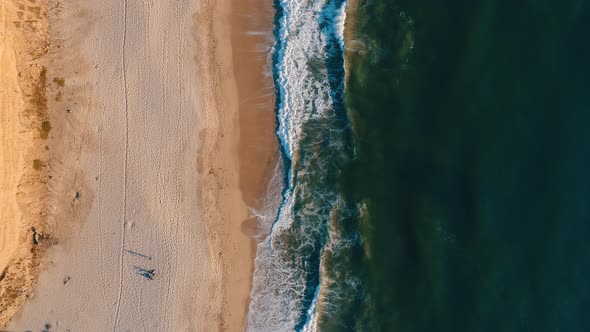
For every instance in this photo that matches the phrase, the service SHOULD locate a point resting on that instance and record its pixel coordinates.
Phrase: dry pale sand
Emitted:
(142, 170)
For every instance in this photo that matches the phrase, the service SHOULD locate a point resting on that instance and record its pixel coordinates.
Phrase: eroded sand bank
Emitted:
(26, 141)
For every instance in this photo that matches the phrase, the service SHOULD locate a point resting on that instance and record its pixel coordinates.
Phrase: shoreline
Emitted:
(312, 221)
(350, 44)
(252, 39)
(234, 162)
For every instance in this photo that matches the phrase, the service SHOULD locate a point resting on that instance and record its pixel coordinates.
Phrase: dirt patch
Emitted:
(37, 164)
(60, 81)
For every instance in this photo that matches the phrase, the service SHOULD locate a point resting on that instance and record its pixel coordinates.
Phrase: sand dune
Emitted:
(12, 146)
(25, 129)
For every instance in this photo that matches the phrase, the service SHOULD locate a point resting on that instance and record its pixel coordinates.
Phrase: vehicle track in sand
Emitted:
(125, 166)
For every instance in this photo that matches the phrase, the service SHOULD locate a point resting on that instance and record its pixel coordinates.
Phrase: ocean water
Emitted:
(444, 187)
(473, 151)
(305, 268)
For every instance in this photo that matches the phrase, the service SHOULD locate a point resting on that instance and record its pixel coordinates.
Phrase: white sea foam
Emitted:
(302, 93)
(305, 95)
(271, 204)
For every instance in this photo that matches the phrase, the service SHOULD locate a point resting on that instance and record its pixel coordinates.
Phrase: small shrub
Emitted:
(60, 81)
(45, 129)
(37, 164)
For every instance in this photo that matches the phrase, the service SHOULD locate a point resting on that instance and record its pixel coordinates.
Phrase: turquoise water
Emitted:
(444, 187)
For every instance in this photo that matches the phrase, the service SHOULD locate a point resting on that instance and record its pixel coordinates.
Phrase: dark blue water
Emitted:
(472, 156)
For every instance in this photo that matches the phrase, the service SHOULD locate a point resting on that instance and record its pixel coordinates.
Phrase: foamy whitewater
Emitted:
(300, 276)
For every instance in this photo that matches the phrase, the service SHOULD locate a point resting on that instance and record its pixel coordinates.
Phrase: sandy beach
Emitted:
(252, 40)
(140, 167)
(257, 150)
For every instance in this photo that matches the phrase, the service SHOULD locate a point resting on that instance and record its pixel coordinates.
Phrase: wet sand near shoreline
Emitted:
(252, 39)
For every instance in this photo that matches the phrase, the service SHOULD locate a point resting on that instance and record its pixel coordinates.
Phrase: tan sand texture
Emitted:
(252, 40)
(253, 141)
(25, 140)
(238, 141)
(13, 145)
(144, 172)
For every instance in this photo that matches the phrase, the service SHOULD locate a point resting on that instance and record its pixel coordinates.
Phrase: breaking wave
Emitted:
(301, 272)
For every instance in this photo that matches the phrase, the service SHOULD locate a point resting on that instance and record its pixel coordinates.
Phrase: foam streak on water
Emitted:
(293, 288)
